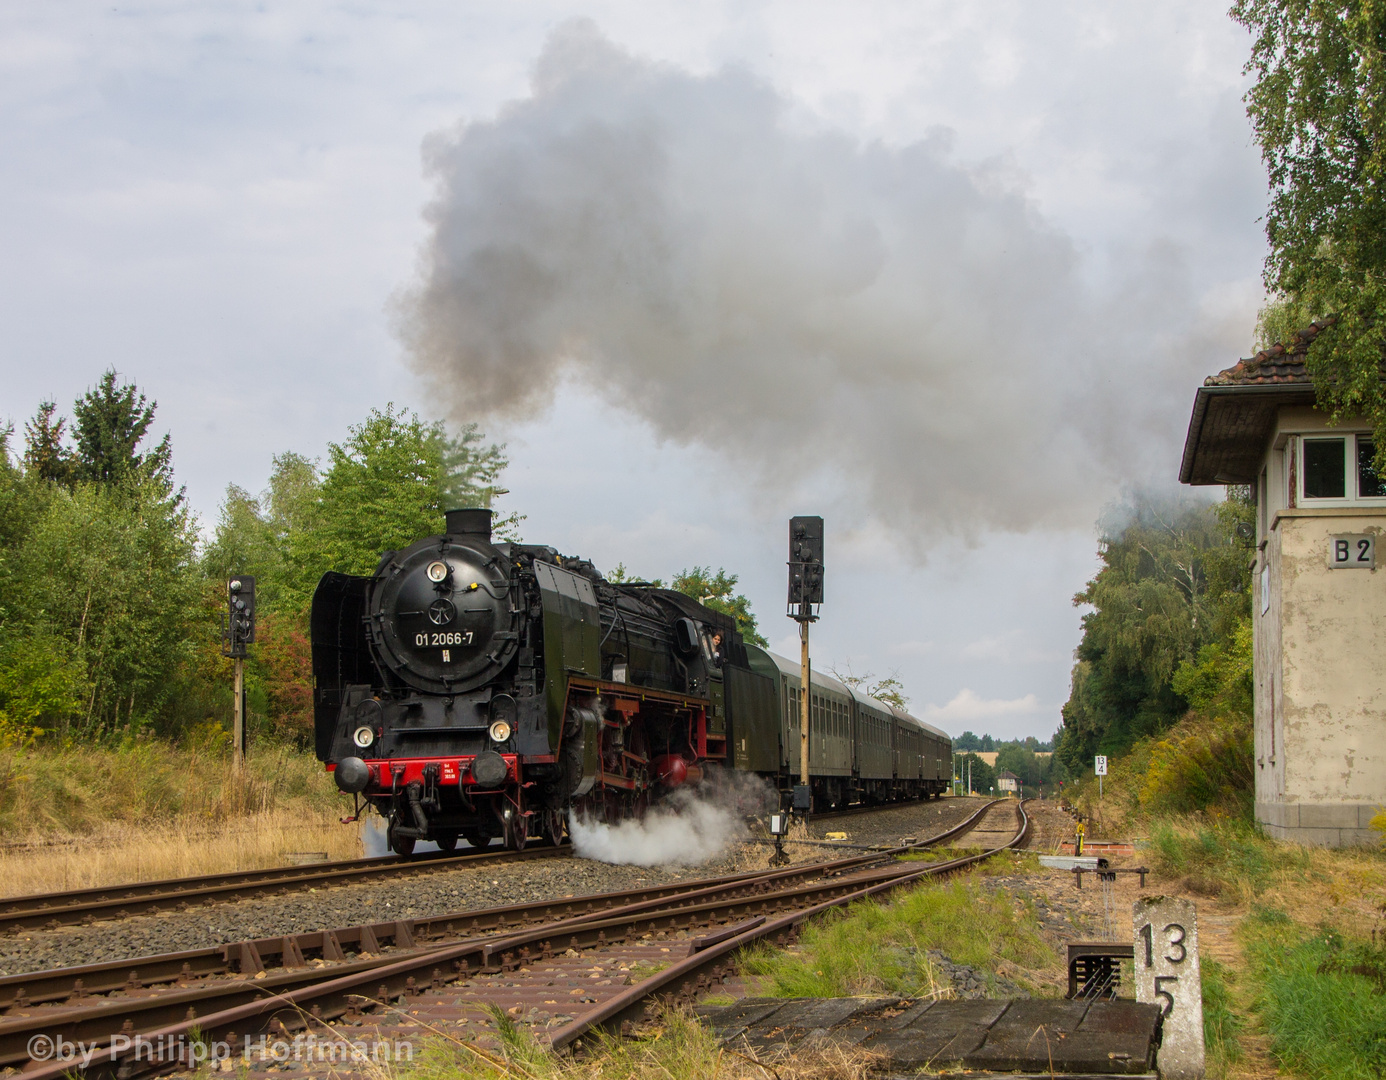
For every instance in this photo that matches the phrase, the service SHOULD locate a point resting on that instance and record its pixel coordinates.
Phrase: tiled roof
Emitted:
(1283, 364)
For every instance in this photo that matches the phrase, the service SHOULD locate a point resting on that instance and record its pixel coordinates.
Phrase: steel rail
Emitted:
(687, 972)
(332, 991)
(82, 906)
(249, 957)
(55, 910)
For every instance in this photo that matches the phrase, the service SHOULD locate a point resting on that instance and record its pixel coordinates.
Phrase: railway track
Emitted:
(856, 811)
(82, 906)
(78, 907)
(456, 961)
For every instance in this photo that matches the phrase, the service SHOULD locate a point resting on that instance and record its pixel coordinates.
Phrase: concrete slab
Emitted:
(1049, 1037)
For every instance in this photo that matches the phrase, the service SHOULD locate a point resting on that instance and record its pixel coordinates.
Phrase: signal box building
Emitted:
(1318, 593)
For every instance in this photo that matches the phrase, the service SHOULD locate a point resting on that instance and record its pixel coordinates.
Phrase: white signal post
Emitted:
(1100, 766)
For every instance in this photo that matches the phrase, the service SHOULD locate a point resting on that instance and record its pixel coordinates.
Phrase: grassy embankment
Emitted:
(86, 816)
(1293, 942)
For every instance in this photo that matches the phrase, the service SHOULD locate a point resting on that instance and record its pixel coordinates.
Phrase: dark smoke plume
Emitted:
(703, 256)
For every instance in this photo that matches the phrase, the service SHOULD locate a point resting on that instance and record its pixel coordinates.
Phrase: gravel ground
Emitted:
(920, 820)
(431, 894)
(1063, 912)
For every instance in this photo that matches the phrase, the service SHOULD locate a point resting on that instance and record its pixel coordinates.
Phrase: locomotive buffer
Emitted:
(805, 598)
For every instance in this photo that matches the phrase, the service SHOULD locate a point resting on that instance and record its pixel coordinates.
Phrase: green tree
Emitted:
(386, 486)
(98, 586)
(1173, 580)
(109, 573)
(983, 775)
(46, 455)
(967, 741)
(890, 690)
(109, 424)
(1318, 108)
(718, 591)
(1021, 760)
(471, 471)
(253, 533)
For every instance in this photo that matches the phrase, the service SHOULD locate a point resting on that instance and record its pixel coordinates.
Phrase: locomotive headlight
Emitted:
(363, 736)
(500, 731)
(437, 571)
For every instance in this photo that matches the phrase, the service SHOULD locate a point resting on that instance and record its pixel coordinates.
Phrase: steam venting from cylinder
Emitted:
(470, 522)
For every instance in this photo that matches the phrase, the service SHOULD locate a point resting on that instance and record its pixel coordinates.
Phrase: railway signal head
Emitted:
(240, 622)
(805, 563)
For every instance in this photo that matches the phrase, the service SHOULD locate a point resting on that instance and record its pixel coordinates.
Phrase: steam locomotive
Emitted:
(481, 689)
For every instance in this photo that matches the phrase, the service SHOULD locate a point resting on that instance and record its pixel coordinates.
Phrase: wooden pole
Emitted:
(238, 731)
(804, 696)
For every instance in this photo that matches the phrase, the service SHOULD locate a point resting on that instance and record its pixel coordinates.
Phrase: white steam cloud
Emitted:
(705, 257)
(682, 835)
(688, 828)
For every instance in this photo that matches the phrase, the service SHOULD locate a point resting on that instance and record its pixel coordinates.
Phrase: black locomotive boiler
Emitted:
(481, 689)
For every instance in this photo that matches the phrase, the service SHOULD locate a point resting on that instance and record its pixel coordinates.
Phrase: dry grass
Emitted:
(122, 853)
(82, 816)
(676, 1047)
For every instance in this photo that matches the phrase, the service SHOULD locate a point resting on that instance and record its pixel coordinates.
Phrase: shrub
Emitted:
(1202, 764)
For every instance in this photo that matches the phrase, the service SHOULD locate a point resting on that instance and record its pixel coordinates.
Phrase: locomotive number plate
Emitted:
(451, 637)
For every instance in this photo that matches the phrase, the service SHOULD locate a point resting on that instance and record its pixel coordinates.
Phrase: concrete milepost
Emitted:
(1099, 766)
(1167, 974)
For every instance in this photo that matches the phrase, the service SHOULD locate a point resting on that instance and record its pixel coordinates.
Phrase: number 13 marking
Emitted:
(1177, 935)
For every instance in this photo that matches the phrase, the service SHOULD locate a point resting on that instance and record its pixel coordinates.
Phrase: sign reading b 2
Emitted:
(1352, 550)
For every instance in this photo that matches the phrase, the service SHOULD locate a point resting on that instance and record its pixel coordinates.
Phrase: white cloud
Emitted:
(912, 648)
(994, 647)
(967, 707)
(1012, 647)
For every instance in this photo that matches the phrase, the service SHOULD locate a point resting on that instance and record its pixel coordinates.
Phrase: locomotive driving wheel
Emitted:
(400, 845)
(552, 819)
(516, 828)
(478, 838)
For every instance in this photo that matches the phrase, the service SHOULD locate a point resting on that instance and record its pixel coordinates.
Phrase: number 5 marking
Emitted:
(1161, 992)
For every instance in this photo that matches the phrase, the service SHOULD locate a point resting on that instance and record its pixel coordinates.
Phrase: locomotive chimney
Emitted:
(470, 522)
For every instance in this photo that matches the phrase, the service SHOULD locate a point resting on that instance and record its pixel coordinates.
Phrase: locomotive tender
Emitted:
(482, 689)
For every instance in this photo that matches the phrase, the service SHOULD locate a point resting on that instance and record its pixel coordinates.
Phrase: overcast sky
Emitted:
(946, 274)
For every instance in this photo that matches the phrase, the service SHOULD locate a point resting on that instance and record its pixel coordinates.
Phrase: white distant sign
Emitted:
(1101, 764)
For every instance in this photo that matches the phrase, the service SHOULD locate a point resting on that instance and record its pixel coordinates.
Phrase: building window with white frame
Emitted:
(1340, 469)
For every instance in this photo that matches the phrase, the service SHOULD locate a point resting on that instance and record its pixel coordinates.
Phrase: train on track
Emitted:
(482, 689)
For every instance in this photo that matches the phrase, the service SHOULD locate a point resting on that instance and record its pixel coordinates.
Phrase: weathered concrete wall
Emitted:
(1269, 678)
(1321, 682)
